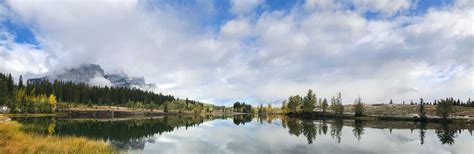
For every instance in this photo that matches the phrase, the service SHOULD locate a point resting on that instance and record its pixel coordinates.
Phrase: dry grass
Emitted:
(13, 140)
(3, 117)
(405, 110)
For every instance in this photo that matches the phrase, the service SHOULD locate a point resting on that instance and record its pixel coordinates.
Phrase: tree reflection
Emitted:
(309, 130)
(323, 127)
(358, 129)
(336, 130)
(284, 121)
(294, 126)
(134, 133)
(121, 131)
(445, 134)
(422, 127)
(242, 119)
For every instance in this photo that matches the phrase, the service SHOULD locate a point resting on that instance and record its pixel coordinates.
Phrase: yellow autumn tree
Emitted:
(52, 101)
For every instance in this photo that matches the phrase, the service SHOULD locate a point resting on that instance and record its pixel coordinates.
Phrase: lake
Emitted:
(264, 134)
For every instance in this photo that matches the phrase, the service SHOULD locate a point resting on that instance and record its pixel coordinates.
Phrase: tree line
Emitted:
(242, 107)
(458, 102)
(309, 102)
(42, 96)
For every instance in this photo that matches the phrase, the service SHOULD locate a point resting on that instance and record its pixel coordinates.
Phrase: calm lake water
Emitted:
(269, 134)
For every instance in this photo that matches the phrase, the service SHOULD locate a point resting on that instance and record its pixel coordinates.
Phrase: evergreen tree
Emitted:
(324, 105)
(10, 86)
(320, 102)
(295, 103)
(3, 92)
(165, 108)
(391, 102)
(237, 107)
(359, 107)
(309, 101)
(444, 107)
(338, 107)
(421, 109)
(20, 82)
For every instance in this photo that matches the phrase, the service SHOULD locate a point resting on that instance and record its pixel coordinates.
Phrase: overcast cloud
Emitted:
(378, 50)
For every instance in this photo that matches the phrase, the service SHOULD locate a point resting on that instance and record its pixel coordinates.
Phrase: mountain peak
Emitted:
(93, 74)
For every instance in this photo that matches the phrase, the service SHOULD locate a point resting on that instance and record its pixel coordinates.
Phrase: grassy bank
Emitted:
(2, 117)
(13, 140)
(32, 115)
(401, 110)
(393, 112)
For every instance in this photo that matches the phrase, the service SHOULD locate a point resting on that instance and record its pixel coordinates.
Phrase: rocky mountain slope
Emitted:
(94, 74)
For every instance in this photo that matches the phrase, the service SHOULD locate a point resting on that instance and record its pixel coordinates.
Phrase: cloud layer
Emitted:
(378, 50)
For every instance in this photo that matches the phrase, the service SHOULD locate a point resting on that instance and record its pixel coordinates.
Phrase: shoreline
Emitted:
(115, 114)
(327, 115)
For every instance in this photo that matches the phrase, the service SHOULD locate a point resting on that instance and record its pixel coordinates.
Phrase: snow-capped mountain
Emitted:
(94, 74)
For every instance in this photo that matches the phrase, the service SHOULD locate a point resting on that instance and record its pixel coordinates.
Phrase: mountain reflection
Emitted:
(130, 134)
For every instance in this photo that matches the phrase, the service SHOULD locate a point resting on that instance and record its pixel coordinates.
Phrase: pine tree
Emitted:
(359, 107)
(421, 109)
(324, 105)
(20, 82)
(338, 107)
(309, 101)
(3, 92)
(391, 102)
(444, 107)
(10, 86)
(165, 108)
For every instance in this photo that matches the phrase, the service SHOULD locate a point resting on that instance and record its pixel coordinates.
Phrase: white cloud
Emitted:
(259, 57)
(238, 29)
(20, 59)
(99, 80)
(244, 6)
(386, 7)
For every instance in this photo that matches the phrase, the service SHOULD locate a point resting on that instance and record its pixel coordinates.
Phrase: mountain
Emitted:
(93, 74)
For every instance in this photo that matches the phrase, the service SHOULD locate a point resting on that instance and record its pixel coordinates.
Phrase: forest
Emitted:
(45, 97)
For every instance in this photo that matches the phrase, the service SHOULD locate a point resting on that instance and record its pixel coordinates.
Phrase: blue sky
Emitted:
(24, 34)
(257, 51)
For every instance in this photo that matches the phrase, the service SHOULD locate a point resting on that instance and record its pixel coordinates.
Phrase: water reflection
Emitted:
(358, 129)
(445, 134)
(241, 119)
(126, 134)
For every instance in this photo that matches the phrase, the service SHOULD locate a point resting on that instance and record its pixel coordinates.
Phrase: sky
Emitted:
(256, 51)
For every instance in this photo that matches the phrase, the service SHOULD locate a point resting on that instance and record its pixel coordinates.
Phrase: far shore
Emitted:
(393, 112)
(387, 112)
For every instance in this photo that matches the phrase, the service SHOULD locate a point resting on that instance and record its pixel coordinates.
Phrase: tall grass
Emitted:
(13, 140)
(2, 117)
